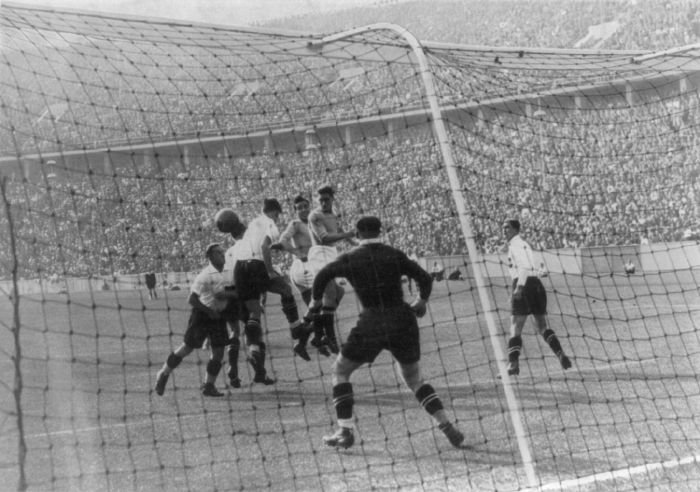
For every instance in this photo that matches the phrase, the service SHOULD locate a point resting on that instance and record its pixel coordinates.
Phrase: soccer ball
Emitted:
(226, 220)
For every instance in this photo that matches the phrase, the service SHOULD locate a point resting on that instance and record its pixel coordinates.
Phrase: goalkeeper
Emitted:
(386, 322)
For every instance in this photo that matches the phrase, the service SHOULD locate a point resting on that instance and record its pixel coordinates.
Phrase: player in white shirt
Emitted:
(254, 275)
(208, 298)
(528, 298)
(235, 311)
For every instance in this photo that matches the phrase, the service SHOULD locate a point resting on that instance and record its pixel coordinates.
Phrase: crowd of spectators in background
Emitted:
(159, 219)
(612, 176)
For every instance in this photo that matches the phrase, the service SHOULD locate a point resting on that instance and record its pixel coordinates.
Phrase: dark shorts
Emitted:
(200, 326)
(234, 311)
(533, 301)
(251, 279)
(394, 329)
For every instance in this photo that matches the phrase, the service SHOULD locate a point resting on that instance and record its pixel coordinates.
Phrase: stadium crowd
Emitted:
(618, 176)
(121, 95)
(566, 197)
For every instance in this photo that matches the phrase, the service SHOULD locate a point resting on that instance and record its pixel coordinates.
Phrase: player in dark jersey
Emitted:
(386, 322)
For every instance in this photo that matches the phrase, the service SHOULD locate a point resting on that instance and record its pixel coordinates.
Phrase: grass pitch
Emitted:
(625, 417)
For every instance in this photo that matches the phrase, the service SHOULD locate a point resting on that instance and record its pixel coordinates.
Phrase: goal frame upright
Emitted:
(440, 133)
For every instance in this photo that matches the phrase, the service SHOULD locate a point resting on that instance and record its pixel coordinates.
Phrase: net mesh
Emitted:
(121, 137)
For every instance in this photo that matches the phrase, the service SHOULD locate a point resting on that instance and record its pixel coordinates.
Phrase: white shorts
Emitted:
(320, 256)
(300, 274)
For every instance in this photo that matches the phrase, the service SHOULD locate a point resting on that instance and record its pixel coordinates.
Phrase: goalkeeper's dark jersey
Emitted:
(374, 270)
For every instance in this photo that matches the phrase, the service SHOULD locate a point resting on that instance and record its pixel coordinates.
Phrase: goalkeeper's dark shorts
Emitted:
(533, 300)
(200, 326)
(394, 329)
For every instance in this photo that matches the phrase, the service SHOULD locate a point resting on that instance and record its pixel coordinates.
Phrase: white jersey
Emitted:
(259, 228)
(232, 256)
(206, 284)
(520, 261)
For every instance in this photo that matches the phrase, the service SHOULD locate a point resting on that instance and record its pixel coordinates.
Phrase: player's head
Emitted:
(511, 227)
(238, 230)
(368, 227)
(302, 207)
(326, 195)
(215, 255)
(272, 208)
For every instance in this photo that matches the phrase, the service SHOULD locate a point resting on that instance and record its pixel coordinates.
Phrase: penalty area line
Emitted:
(627, 473)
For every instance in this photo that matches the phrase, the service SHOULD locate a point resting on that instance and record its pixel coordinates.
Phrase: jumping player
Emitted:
(254, 275)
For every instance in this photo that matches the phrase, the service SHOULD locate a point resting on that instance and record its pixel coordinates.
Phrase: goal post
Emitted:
(122, 136)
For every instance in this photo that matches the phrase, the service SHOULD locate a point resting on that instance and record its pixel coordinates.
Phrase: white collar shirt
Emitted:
(259, 228)
(207, 284)
(232, 255)
(520, 261)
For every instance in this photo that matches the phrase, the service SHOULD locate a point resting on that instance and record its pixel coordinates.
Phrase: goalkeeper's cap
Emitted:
(300, 199)
(271, 205)
(369, 225)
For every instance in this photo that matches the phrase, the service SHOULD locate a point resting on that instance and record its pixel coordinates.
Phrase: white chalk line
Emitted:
(626, 473)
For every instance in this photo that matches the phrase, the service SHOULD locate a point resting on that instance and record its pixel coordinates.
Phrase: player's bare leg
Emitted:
(431, 403)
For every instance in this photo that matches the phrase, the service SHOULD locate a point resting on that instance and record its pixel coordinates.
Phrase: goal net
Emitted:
(121, 138)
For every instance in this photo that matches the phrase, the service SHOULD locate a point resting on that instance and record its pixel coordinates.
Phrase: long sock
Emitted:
(317, 325)
(343, 401)
(256, 357)
(171, 363)
(253, 331)
(428, 399)
(515, 345)
(233, 350)
(327, 321)
(552, 341)
(213, 369)
(289, 308)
